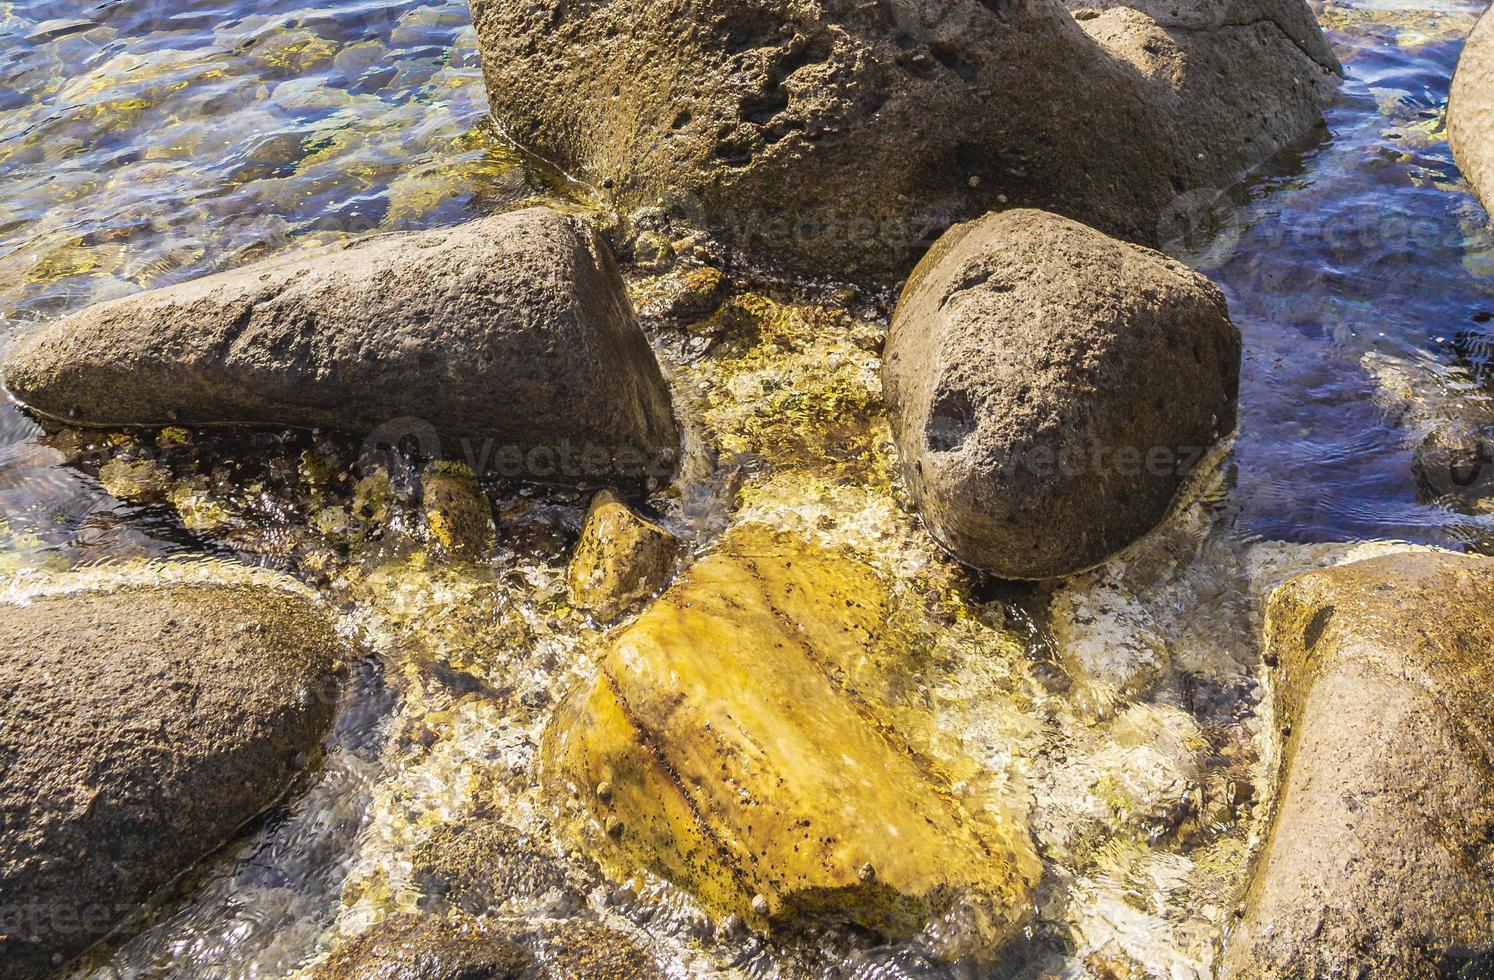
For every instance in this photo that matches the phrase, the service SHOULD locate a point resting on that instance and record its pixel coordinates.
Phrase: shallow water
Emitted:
(144, 143)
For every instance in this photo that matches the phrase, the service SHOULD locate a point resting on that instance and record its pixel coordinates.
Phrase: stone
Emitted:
(583, 951)
(620, 561)
(457, 511)
(510, 338)
(142, 724)
(481, 864)
(842, 136)
(1052, 389)
(410, 947)
(1377, 859)
(739, 767)
(1470, 111)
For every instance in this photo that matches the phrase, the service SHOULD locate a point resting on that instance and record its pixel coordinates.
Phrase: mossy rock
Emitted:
(719, 750)
(620, 561)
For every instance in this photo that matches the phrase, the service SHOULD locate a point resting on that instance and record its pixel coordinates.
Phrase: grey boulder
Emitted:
(842, 136)
(1377, 861)
(140, 728)
(1470, 111)
(509, 340)
(1051, 389)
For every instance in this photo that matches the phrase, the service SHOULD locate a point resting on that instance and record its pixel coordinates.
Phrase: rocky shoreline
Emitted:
(766, 682)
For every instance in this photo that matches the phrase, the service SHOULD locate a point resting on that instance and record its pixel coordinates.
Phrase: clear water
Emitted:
(144, 143)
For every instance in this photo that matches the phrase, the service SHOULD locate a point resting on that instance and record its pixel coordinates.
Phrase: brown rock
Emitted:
(140, 729)
(1051, 389)
(1378, 860)
(510, 337)
(1470, 111)
(426, 948)
(842, 136)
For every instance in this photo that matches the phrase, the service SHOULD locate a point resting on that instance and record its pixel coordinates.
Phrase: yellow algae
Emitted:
(726, 748)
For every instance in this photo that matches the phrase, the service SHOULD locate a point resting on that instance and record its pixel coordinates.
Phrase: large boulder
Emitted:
(1378, 861)
(510, 339)
(841, 135)
(1051, 390)
(141, 726)
(721, 749)
(1470, 111)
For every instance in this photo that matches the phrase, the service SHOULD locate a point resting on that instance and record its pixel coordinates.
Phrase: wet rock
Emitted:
(1470, 111)
(841, 135)
(681, 295)
(719, 749)
(141, 726)
(511, 337)
(481, 864)
(620, 561)
(426, 948)
(457, 511)
(1377, 861)
(1052, 389)
(582, 951)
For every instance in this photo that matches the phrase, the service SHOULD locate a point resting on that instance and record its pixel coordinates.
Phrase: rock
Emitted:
(426, 948)
(718, 750)
(1052, 389)
(141, 726)
(1377, 861)
(620, 561)
(510, 338)
(481, 865)
(1470, 111)
(582, 951)
(457, 511)
(842, 136)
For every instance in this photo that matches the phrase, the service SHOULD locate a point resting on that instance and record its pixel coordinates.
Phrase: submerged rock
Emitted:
(510, 338)
(620, 561)
(457, 511)
(1052, 389)
(841, 135)
(1377, 861)
(719, 749)
(426, 948)
(582, 951)
(481, 865)
(1470, 111)
(141, 727)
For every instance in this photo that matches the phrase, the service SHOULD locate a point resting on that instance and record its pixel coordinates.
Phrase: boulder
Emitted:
(425, 947)
(1377, 860)
(1051, 389)
(1470, 111)
(841, 136)
(720, 748)
(510, 339)
(620, 561)
(141, 726)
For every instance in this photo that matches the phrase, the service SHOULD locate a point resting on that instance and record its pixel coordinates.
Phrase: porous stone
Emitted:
(621, 559)
(718, 750)
(1470, 111)
(1377, 861)
(141, 726)
(510, 339)
(842, 136)
(1052, 389)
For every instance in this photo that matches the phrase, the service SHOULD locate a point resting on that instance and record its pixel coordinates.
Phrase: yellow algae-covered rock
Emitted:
(620, 560)
(719, 750)
(457, 511)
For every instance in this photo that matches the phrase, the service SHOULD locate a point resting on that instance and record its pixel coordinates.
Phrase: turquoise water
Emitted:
(145, 143)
